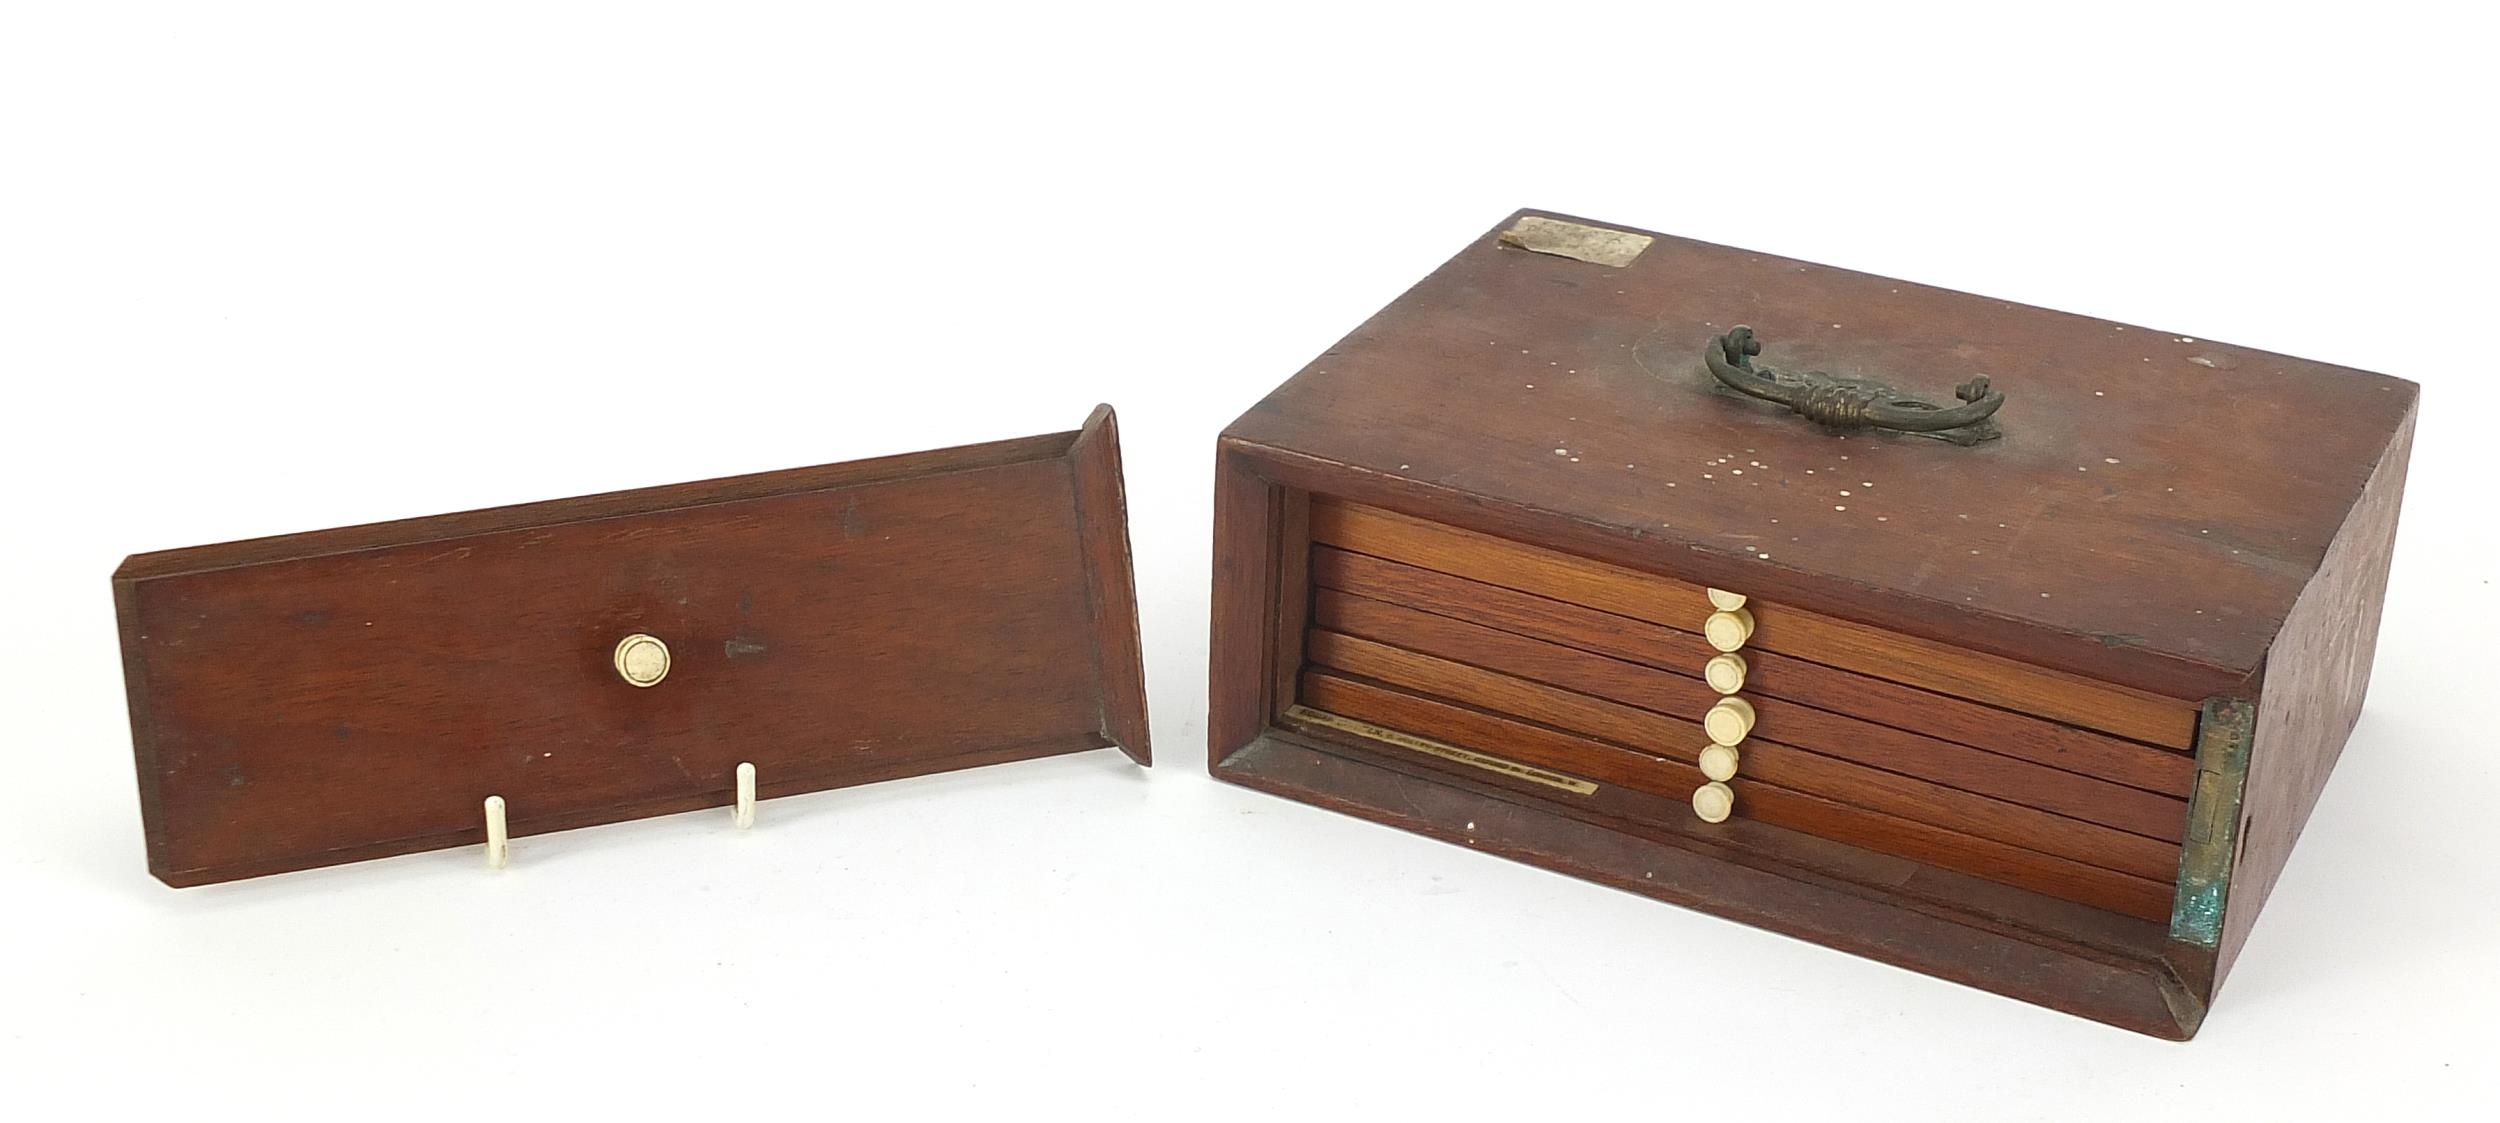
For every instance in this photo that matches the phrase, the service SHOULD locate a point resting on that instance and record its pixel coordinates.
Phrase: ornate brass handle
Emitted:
(1851, 403)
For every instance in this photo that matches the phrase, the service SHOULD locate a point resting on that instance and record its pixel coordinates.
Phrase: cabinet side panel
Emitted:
(2315, 677)
(142, 718)
(1248, 510)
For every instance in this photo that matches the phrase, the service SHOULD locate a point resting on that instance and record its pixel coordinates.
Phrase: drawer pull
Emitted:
(1719, 762)
(641, 660)
(1713, 801)
(1729, 721)
(1852, 403)
(1725, 601)
(1728, 630)
(1725, 672)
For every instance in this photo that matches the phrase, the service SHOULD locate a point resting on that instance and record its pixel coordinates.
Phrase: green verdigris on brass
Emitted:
(2223, 734)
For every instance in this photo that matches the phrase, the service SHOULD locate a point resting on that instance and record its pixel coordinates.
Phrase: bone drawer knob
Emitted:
(641, 660)
(1725, 672)
(1713, 801)
(1728, 721)
(1718, 762)
(1728, 630)
(1725, 601)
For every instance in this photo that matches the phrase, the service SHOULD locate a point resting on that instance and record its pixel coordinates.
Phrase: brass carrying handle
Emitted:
(1851, 403)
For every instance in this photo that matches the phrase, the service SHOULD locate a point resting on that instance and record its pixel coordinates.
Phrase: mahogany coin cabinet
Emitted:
(354, 693)
(2002, 644)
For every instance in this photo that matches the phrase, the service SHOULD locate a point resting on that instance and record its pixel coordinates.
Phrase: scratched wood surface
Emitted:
(348, 694)
(2170, 495)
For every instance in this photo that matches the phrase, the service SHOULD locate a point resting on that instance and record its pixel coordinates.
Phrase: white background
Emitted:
(271, 269)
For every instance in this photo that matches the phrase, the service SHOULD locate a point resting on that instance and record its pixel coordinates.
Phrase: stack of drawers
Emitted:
(1639, 696)
(2040, 707)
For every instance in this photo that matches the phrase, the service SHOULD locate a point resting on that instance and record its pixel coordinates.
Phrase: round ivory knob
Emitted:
(1725, 672)
(1713, 801)
(641, 660)
(1728, 721)
(1725, 601)
(1718, 762)
(1728, 630)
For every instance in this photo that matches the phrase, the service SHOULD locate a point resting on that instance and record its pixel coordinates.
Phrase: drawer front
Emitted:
(2018, 774)
(829, 630)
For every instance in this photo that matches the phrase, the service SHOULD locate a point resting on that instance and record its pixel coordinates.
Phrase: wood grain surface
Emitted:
(1771, 674)
(2315, 683)
(1554, 401)
(1664, 600)
(1684, 697)
(1814, 813)
(1764, 758)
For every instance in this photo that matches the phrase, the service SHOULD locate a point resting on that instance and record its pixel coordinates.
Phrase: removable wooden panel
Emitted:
(348, 694)
(2042, 714)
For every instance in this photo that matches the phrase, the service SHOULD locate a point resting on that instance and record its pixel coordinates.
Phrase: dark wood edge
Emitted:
(2141, 995)
(136, 686)
(1241, 658)
(2021, 641)
(522, 823)
(590, 508)
(1110, 581)
(1295, 596)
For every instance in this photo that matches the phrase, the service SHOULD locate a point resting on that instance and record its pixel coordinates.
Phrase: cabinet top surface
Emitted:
(2151, 490)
